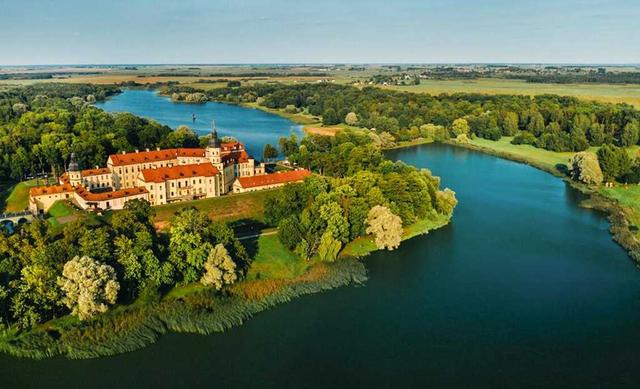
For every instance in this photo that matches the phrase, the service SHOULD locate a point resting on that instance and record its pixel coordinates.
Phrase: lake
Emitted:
(253, 127)
(523, 289)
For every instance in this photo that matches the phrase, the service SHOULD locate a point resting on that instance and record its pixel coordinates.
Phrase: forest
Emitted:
(41, 125)
(556, 123)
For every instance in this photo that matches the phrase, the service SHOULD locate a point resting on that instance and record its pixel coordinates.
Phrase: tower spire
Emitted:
(73, 165)
(214, 141)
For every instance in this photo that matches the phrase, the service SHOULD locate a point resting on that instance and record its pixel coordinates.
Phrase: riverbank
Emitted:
(278, 277)
(623, 215)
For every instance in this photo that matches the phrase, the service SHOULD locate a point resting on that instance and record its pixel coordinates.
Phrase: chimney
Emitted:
(147, 149)
(157, 148)
(137, 151)
(123, 152)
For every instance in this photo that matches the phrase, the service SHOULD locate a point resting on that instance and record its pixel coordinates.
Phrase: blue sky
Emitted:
(287, 31)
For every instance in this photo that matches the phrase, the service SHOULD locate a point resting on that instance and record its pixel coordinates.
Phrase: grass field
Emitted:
(629, 199)
(609, 93)
(274, 261)
(548, 160)
(15, 197)
(228, 208)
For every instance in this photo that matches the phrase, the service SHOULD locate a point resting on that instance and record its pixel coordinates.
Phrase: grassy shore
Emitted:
(275, 276)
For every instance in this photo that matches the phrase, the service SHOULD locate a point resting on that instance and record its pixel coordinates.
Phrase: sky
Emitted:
(321, 31)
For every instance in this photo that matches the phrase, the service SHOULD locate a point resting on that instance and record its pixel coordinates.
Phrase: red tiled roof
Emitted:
(236, 156)
(49, 190)
(95, 172)
(116, 194)
(274, 178)
(64, 178)
(180, 171)
(231, 146)
(154, 156)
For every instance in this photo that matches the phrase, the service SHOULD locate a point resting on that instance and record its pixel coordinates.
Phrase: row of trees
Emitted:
(359, 193)
(83, 270)
(547, 121)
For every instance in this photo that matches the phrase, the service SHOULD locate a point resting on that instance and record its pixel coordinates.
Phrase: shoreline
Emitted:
(620, 226)
(191, 308)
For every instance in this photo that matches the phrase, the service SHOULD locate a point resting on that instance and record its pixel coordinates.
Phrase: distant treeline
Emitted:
(242, 74)
(580, 78)
(40, 76)
(557, 123)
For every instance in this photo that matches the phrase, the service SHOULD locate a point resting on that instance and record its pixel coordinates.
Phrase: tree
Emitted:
(219, 268)
(290, 108)
(19, 108)
(460, 126)
(630, 134)
(614, 162)
(446, 201)
(584, 167)
(189, 243)
(510, 123)
(269, 152)
(385, 226)
(330, 117)
(89, 287)
(329, 247)
(351, 119)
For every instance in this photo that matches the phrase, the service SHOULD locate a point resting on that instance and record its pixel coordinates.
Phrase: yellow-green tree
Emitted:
(89, 287)
(385, 227)
(219, 268)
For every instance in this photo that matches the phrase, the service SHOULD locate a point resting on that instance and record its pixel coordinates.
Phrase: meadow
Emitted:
(607, 93)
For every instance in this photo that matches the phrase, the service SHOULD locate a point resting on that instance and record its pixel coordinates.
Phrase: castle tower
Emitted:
(73, 171)
(213, 149)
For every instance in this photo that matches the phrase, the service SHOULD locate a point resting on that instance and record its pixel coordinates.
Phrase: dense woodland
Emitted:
(41, 125)
(329, 210)
(551, 122)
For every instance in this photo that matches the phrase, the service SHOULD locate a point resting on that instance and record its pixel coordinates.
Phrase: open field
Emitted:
(228, 208)
(274, 261)
(548, 160)
(608, 93)
(629, 199)
(218, 75)
(15, 197)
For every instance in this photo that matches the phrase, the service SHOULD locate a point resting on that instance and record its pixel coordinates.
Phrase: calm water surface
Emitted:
(253, 127)
(524, 289)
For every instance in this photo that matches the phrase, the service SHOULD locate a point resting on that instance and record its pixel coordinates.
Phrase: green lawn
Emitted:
(228, 208)
(545, 159)
(15, 197)
(62, 212)
(629, 198)
(274, 261)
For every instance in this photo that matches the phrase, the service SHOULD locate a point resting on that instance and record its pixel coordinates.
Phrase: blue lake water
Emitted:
(524, 289)
(253, 127)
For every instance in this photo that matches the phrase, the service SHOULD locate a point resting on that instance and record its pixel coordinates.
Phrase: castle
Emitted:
(161, 177)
